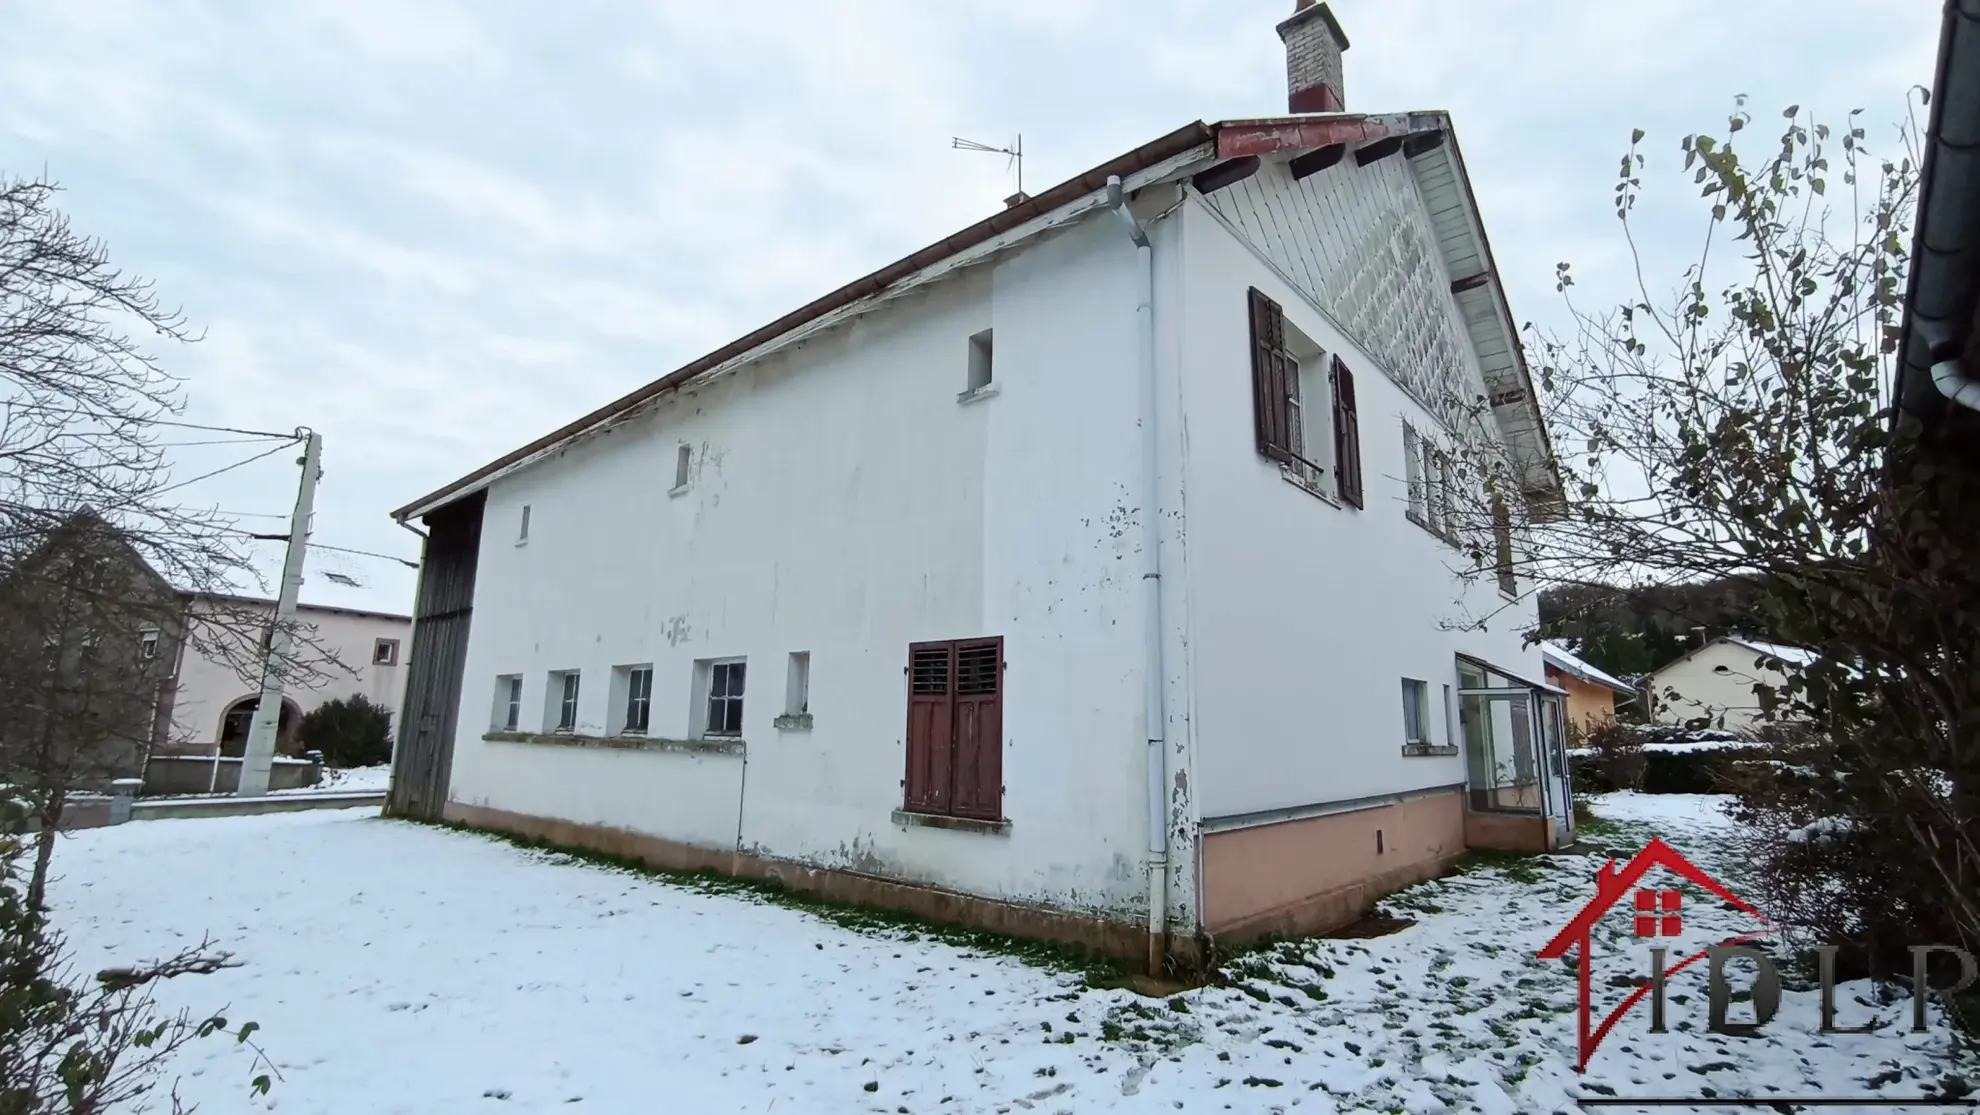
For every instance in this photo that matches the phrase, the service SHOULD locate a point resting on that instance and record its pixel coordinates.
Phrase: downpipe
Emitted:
(1159, 776)
(1952, 380)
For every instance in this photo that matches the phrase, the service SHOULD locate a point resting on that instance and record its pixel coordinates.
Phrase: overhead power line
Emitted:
(42, 408)
(226, 468)
(363, 553)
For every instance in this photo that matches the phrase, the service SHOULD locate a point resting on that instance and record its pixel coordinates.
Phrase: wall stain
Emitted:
(677, 630)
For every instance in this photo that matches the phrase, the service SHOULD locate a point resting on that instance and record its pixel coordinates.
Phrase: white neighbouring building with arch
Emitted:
(1082, 575)
(212, 703)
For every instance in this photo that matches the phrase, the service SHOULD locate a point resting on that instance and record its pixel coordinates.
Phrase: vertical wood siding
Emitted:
(431, 712)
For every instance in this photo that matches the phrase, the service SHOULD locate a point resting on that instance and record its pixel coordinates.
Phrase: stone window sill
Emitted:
(793, 722)
(1412, 749)
(958, 824)
(679, 490)
(977, 394)
(1299, 477)
(623, 743)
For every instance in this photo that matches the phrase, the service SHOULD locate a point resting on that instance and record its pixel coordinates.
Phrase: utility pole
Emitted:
(260, 754)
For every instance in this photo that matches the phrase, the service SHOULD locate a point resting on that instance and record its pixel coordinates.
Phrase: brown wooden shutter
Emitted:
(1502, 546)
(931, 726)
(1271, 375)
(1347, 437)
(979, 730)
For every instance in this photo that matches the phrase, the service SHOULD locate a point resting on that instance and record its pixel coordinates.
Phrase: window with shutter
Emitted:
(955, 738)
(1347, 437)
(1271, 378)
(1503, 547)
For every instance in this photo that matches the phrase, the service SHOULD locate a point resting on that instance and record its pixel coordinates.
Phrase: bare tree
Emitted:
(1737, 426)
(102, 558)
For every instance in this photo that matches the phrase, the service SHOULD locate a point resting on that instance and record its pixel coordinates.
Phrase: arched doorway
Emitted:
(239, 718)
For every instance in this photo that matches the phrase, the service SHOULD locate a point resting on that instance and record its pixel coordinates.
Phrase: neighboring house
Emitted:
(88, 634)
(213, 704)
(1729, 682)
(871, 600)
(1592, 695)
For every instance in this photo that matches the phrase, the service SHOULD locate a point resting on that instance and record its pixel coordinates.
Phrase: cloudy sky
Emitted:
(434, 230)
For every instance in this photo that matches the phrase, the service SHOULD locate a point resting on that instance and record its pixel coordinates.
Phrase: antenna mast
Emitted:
(1014, 161)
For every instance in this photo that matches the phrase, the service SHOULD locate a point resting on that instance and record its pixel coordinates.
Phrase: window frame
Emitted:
(508, 702)
(1416, 706)
(707, 671)
(567, 691)
(638, 700)
(391, 649)
(797, 684)
(148, 641)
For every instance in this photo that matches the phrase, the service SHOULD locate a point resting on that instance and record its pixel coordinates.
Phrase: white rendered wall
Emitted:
(844, 503)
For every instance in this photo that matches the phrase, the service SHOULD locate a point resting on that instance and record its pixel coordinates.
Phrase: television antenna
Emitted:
(1014, 153)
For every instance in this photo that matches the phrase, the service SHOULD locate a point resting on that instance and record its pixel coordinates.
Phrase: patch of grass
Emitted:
(1587, 822)
(1522, 869)
(871, 921)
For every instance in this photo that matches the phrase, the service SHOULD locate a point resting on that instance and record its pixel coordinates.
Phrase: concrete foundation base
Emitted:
(1091, 935)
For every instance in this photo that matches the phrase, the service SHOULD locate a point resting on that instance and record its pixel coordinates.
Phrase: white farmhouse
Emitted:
(1729, 682)
(1065, 578)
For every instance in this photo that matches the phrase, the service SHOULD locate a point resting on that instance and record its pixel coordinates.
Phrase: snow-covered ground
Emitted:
(399, 968)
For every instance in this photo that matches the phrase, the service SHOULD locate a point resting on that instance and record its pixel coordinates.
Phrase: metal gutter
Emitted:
(1945, 263)
(1175, 143)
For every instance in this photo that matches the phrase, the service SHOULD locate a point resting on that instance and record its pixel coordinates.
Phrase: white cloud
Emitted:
(435, 229)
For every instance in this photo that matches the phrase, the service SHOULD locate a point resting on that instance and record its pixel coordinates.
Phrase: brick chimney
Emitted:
(1314, 43)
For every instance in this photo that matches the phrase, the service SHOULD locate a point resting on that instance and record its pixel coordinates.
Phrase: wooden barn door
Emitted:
(430, 713)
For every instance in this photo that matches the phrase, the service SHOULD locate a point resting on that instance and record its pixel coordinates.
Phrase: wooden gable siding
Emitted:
(1360, 243)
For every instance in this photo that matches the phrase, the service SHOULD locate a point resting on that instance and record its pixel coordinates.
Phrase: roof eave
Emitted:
(1178, 143)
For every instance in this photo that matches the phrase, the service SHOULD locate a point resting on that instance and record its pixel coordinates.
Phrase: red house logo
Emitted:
(1658, 913)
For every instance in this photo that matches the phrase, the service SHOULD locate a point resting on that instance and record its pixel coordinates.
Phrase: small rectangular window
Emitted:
(1503, 547)
(522, 532)
(1413, 452)
(639, 700)
(385, 652)
(507, 716)
(563, 700)
(723, 697)
(1416, 711)
(683, 460)
(981, 372)
(1450, 731)
(148, 643)
(797, 684)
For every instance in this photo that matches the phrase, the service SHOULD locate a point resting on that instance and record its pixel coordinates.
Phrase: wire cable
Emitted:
(362, 553)
(218, 471)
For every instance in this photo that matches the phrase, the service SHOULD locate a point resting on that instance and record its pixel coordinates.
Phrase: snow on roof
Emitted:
(1794, 656)
(1560, 658)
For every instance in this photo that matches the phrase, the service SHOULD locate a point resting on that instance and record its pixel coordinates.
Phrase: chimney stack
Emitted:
(1314, 43)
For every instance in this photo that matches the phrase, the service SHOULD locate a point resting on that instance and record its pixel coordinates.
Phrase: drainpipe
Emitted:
(1955, 383)
(1159, 774)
